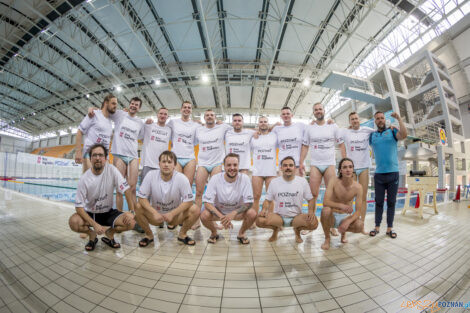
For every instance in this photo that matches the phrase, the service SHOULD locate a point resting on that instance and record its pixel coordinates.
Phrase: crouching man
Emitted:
(229, 196)
(94, 201)
(171, 201)
(337, 209)
(283, 204)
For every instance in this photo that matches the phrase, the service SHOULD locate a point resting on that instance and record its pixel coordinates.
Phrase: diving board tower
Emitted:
(421, 91)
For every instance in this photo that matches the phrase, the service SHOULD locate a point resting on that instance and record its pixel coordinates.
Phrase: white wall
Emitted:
(13, 144)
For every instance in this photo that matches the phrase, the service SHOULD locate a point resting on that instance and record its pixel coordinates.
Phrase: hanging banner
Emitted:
(442, 137)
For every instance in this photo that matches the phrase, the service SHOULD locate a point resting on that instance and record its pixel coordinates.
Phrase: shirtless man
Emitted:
(289, 138)
(210, 138)
(337, 209)
(283, 204)
(171, 201)
(356, 140)
(228, 197)
(237, 140)
(321, 138)
(264, 159)
(94, 201)
(97, 129)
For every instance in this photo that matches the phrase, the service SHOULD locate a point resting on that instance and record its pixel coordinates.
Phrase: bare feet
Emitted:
(274, 235)
(343, 238)
(334, 232)
(305, 232)
(298, 238)
(326, 244)
(218, 226)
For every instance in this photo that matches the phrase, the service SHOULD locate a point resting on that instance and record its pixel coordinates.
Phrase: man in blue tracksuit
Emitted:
(384, 143)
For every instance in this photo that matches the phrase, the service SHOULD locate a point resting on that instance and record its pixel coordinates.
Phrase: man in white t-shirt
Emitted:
(321, 139)
(283, 204)
(289, 138)
(356, 140)
(237, 140)
(171, 201)
(97, 129)
(228, 197)
(337, 209)
(128, 129)
(264, 159)
(211, 153)
(183, 132)
(156, 140)
(94, 201)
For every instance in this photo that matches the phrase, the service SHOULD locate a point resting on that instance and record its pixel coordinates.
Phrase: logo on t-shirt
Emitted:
(230, 150)
(352, 148)
(152, 138)
(120, 134)
(179, 139)
(281, 204)
(259, 157)
(98, 140)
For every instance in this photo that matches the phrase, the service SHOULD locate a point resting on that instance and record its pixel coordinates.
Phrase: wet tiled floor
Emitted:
(44, 267)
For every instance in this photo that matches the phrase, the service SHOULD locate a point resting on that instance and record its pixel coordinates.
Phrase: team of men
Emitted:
(224, 163)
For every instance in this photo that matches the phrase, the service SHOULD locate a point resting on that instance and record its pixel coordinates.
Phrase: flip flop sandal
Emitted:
(373, 233)
(214, 238)
(391, 234)
(111, 242)
(170, 227)
(144, 242)
(90, 246)
(186, 240)
(243, 240)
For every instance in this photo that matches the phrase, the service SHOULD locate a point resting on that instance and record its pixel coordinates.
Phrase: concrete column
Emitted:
(441, 167)
(453, 176)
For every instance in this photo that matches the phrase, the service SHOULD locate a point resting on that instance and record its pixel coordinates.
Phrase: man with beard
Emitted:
(283, 204)
(356, 141)
(264, 159)
(97, 128)
(94, 201)
(289, 138)
(321, 138)
(156, 140)
(338, 204)
(211, 154)
(228, 197)
(171, 201)
(384, 143)
(237, 140)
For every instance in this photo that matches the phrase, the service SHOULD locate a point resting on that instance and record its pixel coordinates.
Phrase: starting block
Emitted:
(423, 185)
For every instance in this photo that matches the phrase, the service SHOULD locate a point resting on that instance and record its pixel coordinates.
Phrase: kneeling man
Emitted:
(229, 196)
(94, 201)
(283, 204)
(172, 201)
(338, 204)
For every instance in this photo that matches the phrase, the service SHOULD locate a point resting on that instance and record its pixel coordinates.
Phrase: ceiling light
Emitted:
(205, 78)
(158, 82)
(34, 113)
(88, 95)
(118, 88)
(306, 82)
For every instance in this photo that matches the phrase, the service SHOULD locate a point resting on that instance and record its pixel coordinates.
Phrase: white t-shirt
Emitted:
(165, 196)
(183, 137)
(127, 131)
(288, 195)
(322, 140)
(156, 139)
(264, 155)
(289, 140)
(226, 196)
(239, 143)
(95, 192)
(211, 144)
(97, 129)
(357, 145)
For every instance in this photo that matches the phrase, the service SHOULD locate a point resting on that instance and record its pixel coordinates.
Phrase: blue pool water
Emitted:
(65, 190)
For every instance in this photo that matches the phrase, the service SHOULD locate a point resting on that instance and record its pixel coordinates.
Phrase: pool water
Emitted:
(65, 190)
